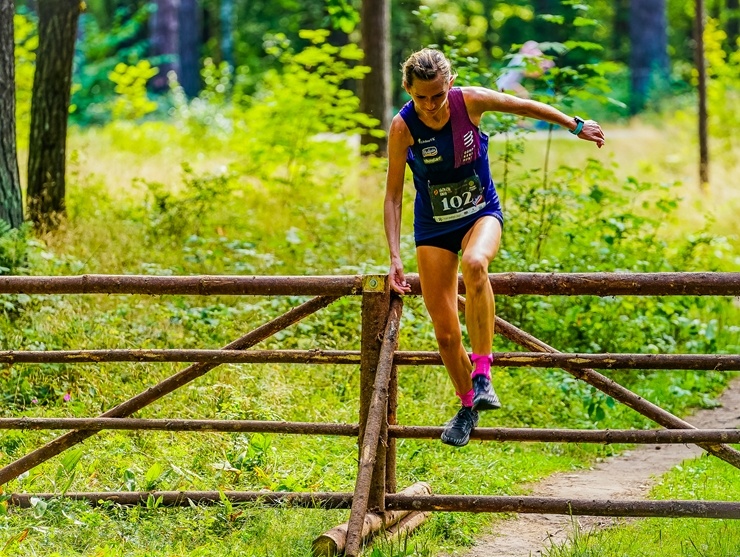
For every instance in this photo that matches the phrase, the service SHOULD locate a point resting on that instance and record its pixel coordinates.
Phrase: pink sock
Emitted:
(466, 399)
(481, 364)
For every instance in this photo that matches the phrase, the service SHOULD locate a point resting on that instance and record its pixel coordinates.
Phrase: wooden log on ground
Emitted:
(405, 526)
(334, 541)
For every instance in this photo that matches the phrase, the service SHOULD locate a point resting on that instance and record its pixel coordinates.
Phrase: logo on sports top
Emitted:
(469, 150)
(429, 151)
(430, 140)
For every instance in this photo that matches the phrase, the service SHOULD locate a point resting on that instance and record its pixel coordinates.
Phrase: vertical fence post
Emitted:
(375, 309)
(391, 485)
(371, 468)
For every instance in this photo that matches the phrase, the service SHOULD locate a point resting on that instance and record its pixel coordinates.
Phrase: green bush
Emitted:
(26, 43)
(100, 53)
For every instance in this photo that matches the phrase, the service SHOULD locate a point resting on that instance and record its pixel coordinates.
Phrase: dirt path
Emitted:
(628, 476)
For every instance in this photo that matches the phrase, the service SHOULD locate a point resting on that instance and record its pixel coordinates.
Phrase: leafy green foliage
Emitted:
(15, 245)
(131, 101)
(342, 15)
(723, 91)
(309, 95)
(26, 43)
(99, 55)
(178, 214)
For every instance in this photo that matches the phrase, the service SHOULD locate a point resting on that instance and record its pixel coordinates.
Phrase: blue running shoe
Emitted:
(484, 397)
(457, 430)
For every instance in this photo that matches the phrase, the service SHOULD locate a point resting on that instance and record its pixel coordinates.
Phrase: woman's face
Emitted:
(430, 96)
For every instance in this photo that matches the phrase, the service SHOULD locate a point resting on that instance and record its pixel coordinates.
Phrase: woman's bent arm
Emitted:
(399, 140)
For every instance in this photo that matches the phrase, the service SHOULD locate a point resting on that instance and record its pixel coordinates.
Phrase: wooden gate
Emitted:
(378, 358)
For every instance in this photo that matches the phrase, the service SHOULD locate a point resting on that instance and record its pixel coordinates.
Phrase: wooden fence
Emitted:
(375, 493)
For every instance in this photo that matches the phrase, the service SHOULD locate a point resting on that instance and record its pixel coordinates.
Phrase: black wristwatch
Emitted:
(579, 125)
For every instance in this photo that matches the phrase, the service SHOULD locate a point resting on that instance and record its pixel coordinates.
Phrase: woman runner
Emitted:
(456, 210)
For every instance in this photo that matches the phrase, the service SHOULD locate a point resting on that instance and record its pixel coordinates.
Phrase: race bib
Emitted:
(458, 200)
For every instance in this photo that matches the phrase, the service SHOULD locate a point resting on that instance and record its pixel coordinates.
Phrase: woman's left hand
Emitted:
(592, 132)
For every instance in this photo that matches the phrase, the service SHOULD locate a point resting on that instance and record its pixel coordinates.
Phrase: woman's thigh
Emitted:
(483, 239)
(438, 270)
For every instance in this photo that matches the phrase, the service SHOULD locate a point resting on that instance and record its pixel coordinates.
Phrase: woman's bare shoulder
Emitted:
(399, 131)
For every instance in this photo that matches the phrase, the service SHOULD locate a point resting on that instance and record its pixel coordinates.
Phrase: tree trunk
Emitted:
(701, 70)
(648, 49)
(375, 89)
(190, 46)
(621, 30)
(11, 205)
(226, 19)
(164, 33)
(52, 84)
(732, 27)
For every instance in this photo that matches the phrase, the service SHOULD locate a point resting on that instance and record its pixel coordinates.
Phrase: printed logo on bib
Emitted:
(429, 152)
(458, 200)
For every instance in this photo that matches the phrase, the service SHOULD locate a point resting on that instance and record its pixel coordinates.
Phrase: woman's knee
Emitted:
(448, 338)
(474, 269)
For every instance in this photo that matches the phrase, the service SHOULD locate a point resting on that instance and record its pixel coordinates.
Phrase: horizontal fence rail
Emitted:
(202, 285)
(708, 362)
(563, 284)
(450, 503)
(319, 500)
(637, 436)
(606, 437)
(140, 424)
(546, 505)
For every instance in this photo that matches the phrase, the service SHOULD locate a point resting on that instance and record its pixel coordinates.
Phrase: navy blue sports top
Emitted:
(432, 162)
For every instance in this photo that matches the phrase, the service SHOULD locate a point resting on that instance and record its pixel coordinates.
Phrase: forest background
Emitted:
(221, 137)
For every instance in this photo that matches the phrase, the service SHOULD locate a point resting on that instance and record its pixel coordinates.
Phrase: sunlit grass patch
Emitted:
(704, 478)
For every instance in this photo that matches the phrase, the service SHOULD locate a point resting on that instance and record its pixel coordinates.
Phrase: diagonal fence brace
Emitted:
(375, 416)
(614, 390)
(172, 383)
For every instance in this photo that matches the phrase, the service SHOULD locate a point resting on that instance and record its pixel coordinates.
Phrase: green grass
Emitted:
(134, 209)
(704, 478)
